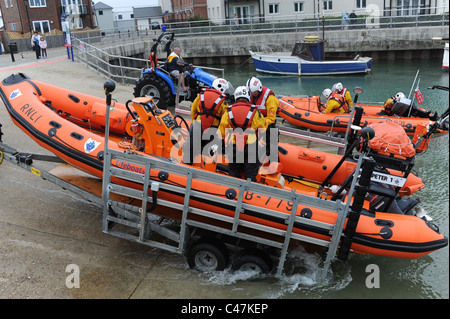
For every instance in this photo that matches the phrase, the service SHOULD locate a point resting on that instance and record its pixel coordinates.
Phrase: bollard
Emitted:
(12, 48)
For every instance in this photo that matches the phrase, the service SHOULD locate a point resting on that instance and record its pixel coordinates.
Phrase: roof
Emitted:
(101, 6)
(147, 12)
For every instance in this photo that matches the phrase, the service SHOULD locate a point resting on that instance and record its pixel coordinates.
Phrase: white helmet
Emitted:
(326, 93)
(399, 96)
(338, 87)
(242, 91)
(254, 84)
(220, 85)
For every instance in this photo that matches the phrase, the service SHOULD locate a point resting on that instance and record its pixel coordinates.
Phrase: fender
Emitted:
(203, 77)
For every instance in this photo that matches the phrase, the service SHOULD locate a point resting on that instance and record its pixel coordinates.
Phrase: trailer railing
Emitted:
(145, 223)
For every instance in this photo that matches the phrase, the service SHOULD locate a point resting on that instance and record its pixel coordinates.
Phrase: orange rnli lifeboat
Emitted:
(71, 125)
(305, 112)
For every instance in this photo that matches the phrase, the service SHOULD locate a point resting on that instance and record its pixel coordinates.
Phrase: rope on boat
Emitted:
(393, 144)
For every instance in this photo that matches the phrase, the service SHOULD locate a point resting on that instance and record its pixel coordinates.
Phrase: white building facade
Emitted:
(281, 9)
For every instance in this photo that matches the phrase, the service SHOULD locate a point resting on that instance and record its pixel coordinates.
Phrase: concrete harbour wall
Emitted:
(400, 43)
(380, 44)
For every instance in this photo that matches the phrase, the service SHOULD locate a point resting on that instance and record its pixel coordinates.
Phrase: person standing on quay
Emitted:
(35, 44)
(43, 46)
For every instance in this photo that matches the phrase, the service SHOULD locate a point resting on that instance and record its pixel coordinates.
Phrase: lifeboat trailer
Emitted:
(205, 237)
(198, 229)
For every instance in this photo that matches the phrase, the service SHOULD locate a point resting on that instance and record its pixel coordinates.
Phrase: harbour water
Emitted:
(425, 278)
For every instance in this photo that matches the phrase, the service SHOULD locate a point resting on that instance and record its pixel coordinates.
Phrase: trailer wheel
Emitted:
(208, 256)
(253, 260)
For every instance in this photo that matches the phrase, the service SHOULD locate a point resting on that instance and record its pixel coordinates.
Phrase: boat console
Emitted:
(153, 129)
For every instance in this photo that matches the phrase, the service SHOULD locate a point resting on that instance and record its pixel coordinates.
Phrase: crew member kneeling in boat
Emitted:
(386, 109)
(335, 102)
(267, 103)
(240, 126)
(206, 112)
(345, 94)
(402, 106)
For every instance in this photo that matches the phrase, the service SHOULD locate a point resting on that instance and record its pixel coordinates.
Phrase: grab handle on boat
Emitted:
(129, 111)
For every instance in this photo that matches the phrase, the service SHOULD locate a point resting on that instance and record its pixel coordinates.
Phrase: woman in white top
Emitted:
(35, 44)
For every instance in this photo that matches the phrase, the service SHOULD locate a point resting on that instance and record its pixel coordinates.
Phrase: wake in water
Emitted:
(300, 279)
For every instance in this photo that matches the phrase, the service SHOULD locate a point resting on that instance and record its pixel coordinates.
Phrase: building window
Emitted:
(100, 12)
(41, 26)
(274, 8)
(119, 17)
(73, 6)
(410, 7)
(70, 2)
(6, 3)
(299, 6)
(132, 16)
(76, 23)
(328, 5)
(360, 4)
(37, 3)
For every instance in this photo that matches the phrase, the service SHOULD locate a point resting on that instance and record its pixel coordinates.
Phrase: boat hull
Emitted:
(284, 64)
(82, 147)
(304, 112)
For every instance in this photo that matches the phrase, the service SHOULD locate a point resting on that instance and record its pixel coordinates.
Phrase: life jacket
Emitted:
(210, 101)
(387, 107)
(261, 100)
(240, 117)
(344, 90)
(172, 66)
(337, 97)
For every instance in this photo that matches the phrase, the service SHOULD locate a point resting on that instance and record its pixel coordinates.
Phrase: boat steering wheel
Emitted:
(183, 121)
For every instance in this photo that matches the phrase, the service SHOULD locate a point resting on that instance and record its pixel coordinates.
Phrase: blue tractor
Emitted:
(158, 84)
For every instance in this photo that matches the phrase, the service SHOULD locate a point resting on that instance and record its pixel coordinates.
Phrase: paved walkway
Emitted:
(29, 58)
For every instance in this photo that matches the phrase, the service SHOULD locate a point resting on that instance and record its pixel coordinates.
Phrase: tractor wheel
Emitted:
(153, 86)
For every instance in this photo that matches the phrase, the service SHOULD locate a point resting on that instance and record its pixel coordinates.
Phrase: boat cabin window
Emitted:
(302, 50)
(311, 51)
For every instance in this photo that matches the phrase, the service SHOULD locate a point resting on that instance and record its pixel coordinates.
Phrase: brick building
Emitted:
(183, 10)
(44, 15)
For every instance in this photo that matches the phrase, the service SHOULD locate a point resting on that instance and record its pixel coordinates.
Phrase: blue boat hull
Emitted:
(296, 66)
